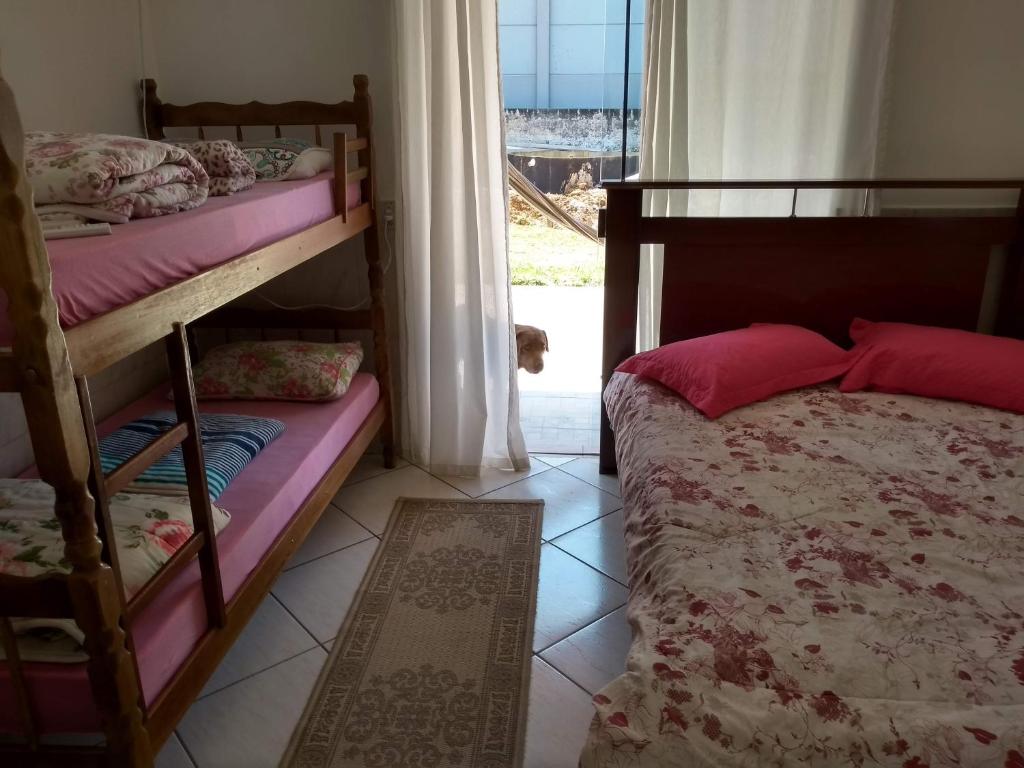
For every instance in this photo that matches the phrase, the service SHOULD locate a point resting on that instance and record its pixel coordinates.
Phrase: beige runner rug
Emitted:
(432, 665)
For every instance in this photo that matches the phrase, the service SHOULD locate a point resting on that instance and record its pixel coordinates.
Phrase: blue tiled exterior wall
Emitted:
(569, 54)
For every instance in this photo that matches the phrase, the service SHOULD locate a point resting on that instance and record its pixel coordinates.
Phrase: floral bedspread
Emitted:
(818, 580)
(148, 529)
(111, 178)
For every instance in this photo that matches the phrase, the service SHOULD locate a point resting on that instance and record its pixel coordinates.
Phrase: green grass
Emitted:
(543, 255)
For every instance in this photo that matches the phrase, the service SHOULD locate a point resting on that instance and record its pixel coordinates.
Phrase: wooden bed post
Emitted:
(371, 242)
(58, 437)
(151, 110)
(621, 286)
(1010, 321)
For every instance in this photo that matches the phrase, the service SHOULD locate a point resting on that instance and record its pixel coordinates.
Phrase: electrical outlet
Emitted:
(387, 211)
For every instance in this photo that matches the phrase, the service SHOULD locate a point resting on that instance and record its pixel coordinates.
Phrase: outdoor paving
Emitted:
(560, 407)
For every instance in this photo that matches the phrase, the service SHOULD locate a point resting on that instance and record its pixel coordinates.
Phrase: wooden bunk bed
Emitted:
(49, 366)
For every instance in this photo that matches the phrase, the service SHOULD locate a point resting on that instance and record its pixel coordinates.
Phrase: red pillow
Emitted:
(726, 370)
(937, 362)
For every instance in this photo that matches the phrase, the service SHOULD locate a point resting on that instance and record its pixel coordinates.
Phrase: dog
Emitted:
(532, 343)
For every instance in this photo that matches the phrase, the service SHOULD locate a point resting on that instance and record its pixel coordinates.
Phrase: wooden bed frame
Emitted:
(950, 269)
(49, 368)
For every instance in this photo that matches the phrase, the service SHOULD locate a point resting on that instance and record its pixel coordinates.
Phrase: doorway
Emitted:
(571, 78)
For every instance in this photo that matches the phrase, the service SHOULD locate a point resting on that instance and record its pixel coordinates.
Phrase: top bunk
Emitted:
(118, 293)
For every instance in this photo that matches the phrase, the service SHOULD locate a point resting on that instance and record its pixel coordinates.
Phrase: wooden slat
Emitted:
(684, 231)
(177, 562)
(40, 597)
(340, 176)
(122, 477)
(178, 695)
(357, 175)
(238, 133)
(314, 317)
(356, 145)
(317, 137)
(195, 472)
(97, 343)
(819, 184)
(8, 372)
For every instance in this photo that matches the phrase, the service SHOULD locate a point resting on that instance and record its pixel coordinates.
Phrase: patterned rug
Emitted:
(432, 664)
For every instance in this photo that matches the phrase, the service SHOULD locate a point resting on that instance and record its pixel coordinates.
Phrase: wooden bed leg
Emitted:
(371, 244)
(58, 438)
(115, 686)
(622, 283)
(380, 340)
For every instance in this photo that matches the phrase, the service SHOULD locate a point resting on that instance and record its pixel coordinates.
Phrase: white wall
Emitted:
(278, 51)
(274, 51)
(956, 104)
(74, 66)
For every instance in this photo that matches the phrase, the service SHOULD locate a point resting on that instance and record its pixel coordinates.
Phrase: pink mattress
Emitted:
(93, 275)
(818, 579)
(261, 500)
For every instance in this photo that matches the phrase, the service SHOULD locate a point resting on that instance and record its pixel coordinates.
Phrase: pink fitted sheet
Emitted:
(93, 275)
(261, 500)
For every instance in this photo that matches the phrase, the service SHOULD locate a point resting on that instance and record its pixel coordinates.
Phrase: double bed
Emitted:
(820, 578)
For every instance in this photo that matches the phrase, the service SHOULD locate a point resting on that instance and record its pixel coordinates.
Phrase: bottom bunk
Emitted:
(273, 502)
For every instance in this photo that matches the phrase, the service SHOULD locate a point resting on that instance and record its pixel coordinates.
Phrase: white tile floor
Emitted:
(247, 712)
(562, 422)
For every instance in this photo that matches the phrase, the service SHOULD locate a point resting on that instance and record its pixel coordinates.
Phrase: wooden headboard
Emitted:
(956, 271)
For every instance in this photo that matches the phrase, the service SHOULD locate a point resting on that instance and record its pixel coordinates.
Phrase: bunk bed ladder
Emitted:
(195, 470)
(104, 524)
(203, 541)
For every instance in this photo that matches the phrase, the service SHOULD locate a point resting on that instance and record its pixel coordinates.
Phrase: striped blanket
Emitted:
(229, 443)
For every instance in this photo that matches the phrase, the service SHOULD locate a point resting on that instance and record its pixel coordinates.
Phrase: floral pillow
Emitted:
(286, 159)
(227, 166)
(278, 370)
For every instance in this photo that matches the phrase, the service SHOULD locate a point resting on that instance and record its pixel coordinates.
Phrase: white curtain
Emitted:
(459, 404)
(758, 89)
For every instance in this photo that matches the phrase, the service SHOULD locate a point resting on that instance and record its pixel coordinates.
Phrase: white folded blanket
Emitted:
(111, 178)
